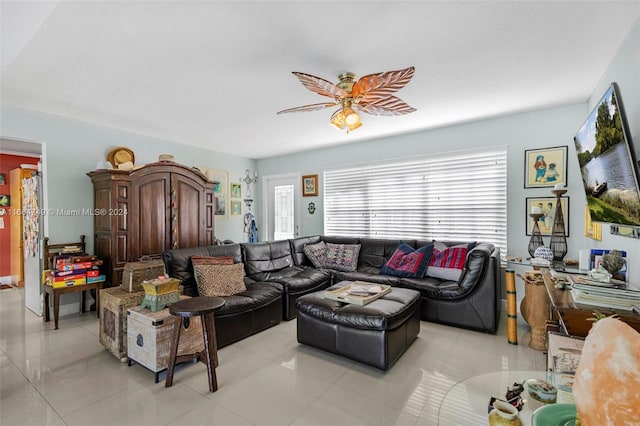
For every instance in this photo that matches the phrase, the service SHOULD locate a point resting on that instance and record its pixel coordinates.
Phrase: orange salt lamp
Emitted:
(607, 383)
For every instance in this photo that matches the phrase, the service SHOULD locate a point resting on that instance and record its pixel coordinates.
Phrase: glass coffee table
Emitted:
(466, 403)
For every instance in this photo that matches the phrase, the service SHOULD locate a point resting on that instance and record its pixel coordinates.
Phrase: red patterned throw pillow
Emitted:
(408, 262)
(447, 262)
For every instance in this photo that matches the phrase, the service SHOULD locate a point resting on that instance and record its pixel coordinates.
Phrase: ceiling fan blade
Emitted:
(306, 108)
(381, 84)
(390, 105)
(320, 85)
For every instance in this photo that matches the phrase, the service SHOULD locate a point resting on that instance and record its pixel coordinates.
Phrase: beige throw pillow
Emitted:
(219, 280)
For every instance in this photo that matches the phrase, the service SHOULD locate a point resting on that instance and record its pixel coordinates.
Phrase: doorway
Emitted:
(282, 206)
(21, 265)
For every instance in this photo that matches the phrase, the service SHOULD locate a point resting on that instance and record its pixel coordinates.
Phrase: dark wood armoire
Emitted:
(143, 212)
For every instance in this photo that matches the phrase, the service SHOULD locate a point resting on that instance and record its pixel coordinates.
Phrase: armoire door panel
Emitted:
(122, 250)
(152, 231)
(102, 246)
(187, 212)
(102, 222)
(122, 216)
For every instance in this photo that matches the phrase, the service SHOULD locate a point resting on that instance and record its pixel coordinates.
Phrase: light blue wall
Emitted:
(74, 147)
(538, 129)
(624, 70)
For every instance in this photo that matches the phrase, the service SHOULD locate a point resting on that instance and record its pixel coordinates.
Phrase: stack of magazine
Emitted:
(563, 357)
(614, 295)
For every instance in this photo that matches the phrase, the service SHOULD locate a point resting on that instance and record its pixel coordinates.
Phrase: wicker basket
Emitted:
(136, 272)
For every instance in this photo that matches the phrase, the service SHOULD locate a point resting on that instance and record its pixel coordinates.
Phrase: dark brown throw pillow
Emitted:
(209, 260)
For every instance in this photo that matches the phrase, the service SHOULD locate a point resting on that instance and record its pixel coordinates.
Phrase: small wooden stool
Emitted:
(185, 309)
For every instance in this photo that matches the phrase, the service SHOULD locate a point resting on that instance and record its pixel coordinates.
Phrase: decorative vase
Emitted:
(613, 261)
(544, 253)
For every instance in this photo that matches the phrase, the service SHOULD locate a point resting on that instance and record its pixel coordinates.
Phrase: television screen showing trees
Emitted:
(607, 163)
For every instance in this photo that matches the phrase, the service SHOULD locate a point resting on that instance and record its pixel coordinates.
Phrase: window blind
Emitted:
(456, 196)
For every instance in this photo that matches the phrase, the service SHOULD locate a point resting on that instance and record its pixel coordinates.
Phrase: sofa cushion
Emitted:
(262, 258)
(219, 280)
(256, 295)
(316, 253)
(428, 287)
(447, 262)
(364, 276)
(303, 279)
(340, 240)
(407, 261)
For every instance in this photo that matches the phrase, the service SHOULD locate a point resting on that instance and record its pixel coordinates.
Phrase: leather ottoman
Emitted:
(376, 334)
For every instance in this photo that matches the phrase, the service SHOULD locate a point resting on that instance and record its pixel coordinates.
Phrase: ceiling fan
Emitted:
(371, 94)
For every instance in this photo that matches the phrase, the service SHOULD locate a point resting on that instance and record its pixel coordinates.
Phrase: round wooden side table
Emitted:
(203, 307)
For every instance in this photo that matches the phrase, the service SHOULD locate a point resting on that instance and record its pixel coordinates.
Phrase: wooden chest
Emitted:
(114, 303)
(136, 272)
(149, 337)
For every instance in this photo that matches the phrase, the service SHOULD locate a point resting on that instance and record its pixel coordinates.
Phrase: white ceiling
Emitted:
(214, 74)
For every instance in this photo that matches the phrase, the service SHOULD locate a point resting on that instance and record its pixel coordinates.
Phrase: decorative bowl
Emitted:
(542, 391)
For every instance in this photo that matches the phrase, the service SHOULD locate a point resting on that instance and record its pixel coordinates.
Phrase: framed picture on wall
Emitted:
(5, 200)
(220, 192)
(236, 208)
(310, 186)
(236, 190)
(2, 179)
(545, 167)
(547, 206)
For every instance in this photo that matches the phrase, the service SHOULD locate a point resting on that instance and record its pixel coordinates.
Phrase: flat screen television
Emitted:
(608, 163)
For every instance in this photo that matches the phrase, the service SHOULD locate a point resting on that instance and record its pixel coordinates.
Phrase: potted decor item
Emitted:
(504, 414)
(613, 261)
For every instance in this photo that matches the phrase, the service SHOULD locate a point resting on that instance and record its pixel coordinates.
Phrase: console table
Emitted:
(573, 317)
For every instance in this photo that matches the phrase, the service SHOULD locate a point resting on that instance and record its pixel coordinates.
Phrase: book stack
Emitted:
(72, 270)
(614, 295)
(563, 357)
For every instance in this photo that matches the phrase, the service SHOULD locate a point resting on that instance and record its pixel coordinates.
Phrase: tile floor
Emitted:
(65, 377)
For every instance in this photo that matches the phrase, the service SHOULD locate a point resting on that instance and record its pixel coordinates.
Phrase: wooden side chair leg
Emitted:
(210, 350)
(174, 352)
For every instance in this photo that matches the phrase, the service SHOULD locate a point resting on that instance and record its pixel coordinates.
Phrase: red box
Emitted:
(61, 266)
(70, 277)
(93, 273)
(68, 273)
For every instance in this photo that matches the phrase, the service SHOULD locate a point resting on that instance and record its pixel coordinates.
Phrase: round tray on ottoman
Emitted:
(376, 334)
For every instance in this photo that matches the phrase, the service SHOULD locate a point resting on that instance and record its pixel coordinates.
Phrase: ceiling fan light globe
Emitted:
(351, 117)
(353, 127)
